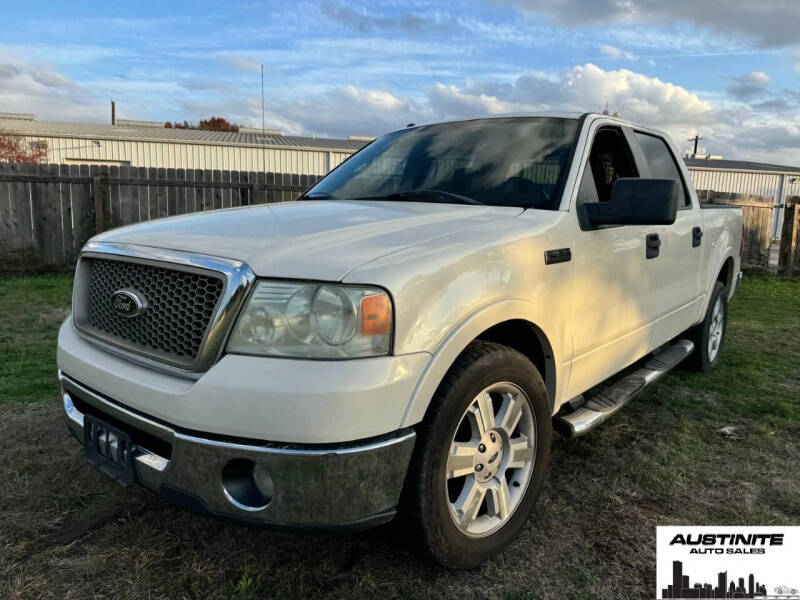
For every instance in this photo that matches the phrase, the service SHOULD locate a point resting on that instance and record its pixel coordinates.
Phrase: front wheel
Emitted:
(481, 456)
(709, 335)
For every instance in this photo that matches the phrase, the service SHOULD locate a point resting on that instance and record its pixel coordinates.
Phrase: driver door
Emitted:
(613, 306)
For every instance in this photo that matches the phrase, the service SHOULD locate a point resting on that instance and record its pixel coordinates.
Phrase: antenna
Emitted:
(263, 127)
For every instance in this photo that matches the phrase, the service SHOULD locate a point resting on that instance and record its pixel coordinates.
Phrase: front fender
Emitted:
(470, 328)
(449, 290)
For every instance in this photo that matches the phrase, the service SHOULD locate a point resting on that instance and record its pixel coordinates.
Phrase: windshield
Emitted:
(513, 161)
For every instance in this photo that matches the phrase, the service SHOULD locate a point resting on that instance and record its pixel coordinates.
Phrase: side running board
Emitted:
(605, 399)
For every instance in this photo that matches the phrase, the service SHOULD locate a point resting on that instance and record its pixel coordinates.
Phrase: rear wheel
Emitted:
(481, 456)
(709, 335)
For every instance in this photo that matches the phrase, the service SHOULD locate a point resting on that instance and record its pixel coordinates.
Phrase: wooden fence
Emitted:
(47, 212)
(789, 256)
(757, 215)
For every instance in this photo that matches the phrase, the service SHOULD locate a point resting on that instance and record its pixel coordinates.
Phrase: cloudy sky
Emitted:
(728, 70)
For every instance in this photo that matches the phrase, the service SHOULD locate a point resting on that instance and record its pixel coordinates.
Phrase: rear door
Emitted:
(614, 291)
(678, 264)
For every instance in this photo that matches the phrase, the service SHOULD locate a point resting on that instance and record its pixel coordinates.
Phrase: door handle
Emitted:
(653, 245)
(697, 237)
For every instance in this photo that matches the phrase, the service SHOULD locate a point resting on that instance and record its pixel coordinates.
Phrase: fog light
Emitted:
(247, 485)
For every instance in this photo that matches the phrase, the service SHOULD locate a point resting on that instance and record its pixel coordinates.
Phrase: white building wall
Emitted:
(187, 155)
(337, 158)
(739, 182)
(793, 186)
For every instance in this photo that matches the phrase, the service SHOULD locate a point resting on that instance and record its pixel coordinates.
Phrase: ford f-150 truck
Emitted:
(404, 338)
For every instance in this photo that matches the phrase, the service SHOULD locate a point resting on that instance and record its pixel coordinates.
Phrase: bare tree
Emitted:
(14, 149)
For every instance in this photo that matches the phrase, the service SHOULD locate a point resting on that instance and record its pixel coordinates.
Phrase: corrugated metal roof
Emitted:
(738, 165)
(163, 134)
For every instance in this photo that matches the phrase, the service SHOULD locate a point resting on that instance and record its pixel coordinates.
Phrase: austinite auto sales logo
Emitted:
(727, 562)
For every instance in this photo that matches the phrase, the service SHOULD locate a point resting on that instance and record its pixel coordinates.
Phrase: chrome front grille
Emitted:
(190, 302)
(180, 305)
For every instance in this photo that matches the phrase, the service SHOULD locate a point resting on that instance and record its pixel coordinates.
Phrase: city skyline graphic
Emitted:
(681, 586)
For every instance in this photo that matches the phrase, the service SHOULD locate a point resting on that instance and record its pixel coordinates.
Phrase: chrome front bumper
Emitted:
(311, 486)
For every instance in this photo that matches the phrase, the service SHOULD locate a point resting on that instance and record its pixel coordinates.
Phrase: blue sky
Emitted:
(730, 70)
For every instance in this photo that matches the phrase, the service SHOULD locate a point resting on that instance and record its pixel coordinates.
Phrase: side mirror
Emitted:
(636, 201)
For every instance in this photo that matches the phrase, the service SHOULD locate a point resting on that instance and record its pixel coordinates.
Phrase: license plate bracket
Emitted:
(109, 449)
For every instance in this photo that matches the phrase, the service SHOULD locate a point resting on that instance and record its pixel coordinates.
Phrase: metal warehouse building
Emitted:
(741, 179)
(148, 144)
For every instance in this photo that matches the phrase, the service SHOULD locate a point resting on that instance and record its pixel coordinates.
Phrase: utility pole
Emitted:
(695, 139)
(113, 113)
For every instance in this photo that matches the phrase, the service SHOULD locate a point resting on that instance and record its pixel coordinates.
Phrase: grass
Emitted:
(66, 531)
(31, 308)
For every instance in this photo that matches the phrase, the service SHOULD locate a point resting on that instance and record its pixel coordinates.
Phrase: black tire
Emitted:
(426, 509)
(700, 359)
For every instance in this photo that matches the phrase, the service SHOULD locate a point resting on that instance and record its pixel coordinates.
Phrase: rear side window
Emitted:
(661, 161)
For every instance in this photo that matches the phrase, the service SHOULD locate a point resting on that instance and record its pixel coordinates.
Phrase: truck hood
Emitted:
(311, 239)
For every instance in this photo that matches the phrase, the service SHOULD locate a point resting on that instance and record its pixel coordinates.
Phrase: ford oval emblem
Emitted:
(128, 303)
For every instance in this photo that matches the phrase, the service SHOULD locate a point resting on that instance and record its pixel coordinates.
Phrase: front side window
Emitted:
(504, 161)
(660, 160)
(609, 160)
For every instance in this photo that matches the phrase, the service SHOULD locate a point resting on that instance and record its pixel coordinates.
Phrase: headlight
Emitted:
(309, 320)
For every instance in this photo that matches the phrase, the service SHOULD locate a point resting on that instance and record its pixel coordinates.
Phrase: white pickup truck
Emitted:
(404, 337)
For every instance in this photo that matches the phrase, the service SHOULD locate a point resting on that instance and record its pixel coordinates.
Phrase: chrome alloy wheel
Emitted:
(715, 330)
(491, 459)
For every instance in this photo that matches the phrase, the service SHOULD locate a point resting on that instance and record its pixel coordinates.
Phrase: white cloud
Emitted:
(614, 52)
(373, 99)
(450, 102)
(637, 96)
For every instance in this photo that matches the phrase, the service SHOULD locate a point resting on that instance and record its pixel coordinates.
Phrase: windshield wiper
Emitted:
(425, 196)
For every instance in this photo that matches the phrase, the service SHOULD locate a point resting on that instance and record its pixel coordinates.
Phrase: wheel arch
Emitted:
(528, 339)
(724, 272)
(513, 323)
